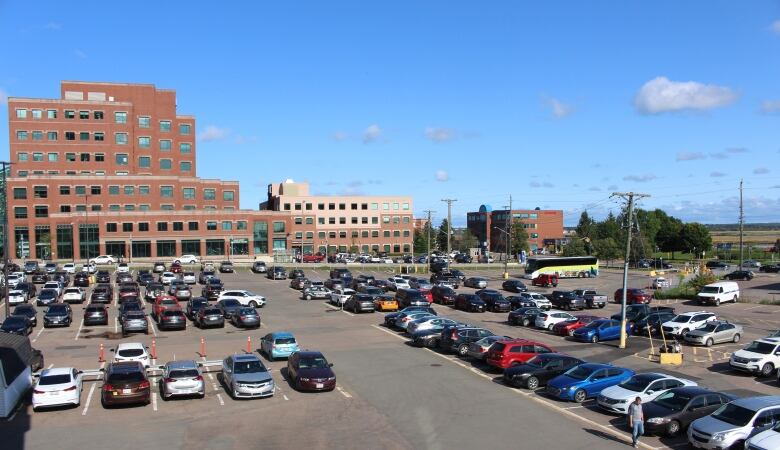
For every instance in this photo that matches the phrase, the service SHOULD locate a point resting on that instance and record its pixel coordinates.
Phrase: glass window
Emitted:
(20, 193)
(21, 113)
(227, 225)
(37, 156)
(209, 194)
(98, 115)
(129, 207)
(127, 227)
(165, 145)
(385, 206)
(113, 207)
(69, 114)
(84, 157)
(40, 192)
(23, 157)
(162, 226)
(227, 196)
(112, 190)
(144, 162)
(143, 190)
(70, 157)
(41, 211)
(241, 225)
(37, 114)
(121, 159)
(37, 135)
(166, 191)
(84, 115)
(144, 141)
(111, 227)
(192, 226)
(211, 226)
(70, 135)
(178, 226)
(21, 135)
(84, 136)
(405, 206)
(94, 190)
(165, 164)
(51, 135)
(144, 207)
(129, 190)
(185, 166)
(309, 221)
(185, 147)
(143, 226)
(144, 122)
(20, 212)
(100, 136)
(120, 117)
(82, 190)
(120, 138)
(185, 128)
(64, 190)
(165, 125)
(51, 113)
(278, 227)
(189, 193)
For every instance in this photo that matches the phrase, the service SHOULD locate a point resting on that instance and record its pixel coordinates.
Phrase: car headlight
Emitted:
(305, 379)
(658, 420)
(719, 437)
(331, 378)
(754, 360)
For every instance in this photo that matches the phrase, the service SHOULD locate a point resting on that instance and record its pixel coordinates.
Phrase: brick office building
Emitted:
(109, 168)
(541, 225)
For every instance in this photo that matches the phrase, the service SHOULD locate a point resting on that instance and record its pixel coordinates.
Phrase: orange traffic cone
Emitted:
(202, 347)
(101, 354)
(249, 344)
(154, 349)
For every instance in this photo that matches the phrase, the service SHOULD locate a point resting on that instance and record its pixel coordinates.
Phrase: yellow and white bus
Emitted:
(567, 267)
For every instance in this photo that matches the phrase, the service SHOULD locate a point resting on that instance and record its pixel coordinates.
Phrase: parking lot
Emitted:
(389, 394)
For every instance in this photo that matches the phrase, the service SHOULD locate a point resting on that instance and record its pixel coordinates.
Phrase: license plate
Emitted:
(319, 385)
(127, 391)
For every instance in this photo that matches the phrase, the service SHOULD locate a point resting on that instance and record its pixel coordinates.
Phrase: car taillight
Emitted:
(36, 391)
(72, 388)
(454, 335)
(199, 378)
(108, 387)
(169, 380)
(144, 385)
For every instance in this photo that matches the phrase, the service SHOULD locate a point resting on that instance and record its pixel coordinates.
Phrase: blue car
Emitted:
(586, 381)
(280, 344)
(600, 330)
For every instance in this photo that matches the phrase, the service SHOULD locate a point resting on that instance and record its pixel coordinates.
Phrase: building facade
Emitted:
(544, 227)
(110, 168)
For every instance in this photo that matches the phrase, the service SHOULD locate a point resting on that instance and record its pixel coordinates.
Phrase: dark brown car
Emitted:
(310, 371)
(125, 383)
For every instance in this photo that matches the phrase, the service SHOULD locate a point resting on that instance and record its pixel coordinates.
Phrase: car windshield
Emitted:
(249, 366)
(48, 380)
(183, 373)
(710, 327)
(211, 311)
(760, 347)
(247, 312)
(125, 377)
(130, 352)
(592, 325)
(230, 302)
(675, 401)
(734, 414)
(136, 315)
(284, 341)
(579, 373)
(14, 321)
(58, 308)
(636, 384)
(313, 363)
(709, 290)
(681, 319)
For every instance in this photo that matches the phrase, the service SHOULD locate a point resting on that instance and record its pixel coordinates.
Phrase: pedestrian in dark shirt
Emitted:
(636, 421)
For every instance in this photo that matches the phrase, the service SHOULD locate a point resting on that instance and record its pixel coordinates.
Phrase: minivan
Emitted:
(734, 422)
(410, 297)
(716, 293)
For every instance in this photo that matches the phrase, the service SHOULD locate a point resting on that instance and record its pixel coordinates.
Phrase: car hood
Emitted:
(652, 409)
(521, 370)
(253, 377)
(747, 354)
(766, 440)
(619, 393)
(711, 425)
(564, 381)
(699, 333)
(319, 372)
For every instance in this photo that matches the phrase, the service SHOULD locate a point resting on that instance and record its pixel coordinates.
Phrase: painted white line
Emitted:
(50, 366)
(753, 307)
(343, 392)
(78, 332)
(398, 336)
(38, 335)
(285, 397)
(116, 324)
(89, 398)
(221, 402)
(154, 401)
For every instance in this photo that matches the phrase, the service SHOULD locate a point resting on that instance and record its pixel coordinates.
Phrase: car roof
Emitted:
(125, 366)
(652, 376)
(281, 334)
(310, 354)
(769, 340)
(758, 402)
(696, 390)
(130, 345)
(246, 357)
(183, 364)
(57, 371)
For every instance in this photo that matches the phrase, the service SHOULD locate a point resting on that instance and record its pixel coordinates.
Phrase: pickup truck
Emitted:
(164, 303)
(637, 312)
(567, 300)
(592, 298)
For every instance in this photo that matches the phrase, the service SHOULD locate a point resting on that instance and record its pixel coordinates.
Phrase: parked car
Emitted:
(673, 411)
(651, 322)
(189, 277)
(340, 296)
(167, 277)
(69, 268)
(469, 303)
(405, 319)
(58, 386)
(74, 295)
(310, 371)
(50, 267)
(134, 321)
(159, 267)
(633, 296)
(661, 283)
(182, 292)
(494, 301)
(245, 317)
(428, 323)
(760, 357)
(164, 303)
(175, 268)
(568, 327)
(298, 283)
(540, 369)
(683, 323)
(209, 316)
(47, 297)
(315, 292)
(448, 279)
(525, 316)
(153, 290)
(769, 438)
(123, 267)
(313, 258)
(715, 265)
(457, 339)
(30, 267)
(392, 317)
(770, 268)
(508, 352)
(132, 351)
(125, 383)
(259, 267)
(182, 378)
(358, 303)
(586, 381)
(637, 312)
(277, 273)
(187, 259)
(529, 299)
(96, 314)
(55, 286)
(245, 376)
(226, 267)
(103, 260)
(567, 300)
(58, 314)
(170, 319)
(548, 319)
(715, 332)
(647, 386)
(479, 349)
(228, 306)
(397, 283)
(17, 324)
(443, 295)
(733, 423)
(385, 302)
(410, 297)
(211, 292)
(717, 293)
(194, 305)
(476, 282)
(600, 330)
(16, 296)
(280, 344)
(545, 280)
(592, 298)
(514, 286)
(246, 298)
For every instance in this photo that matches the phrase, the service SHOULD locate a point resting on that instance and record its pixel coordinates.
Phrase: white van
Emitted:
(716, 293)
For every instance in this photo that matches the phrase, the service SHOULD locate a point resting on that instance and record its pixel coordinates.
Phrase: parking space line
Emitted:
(338, 309)
(343, 392)
(50, 366)
(154, 401)
(38, 335)
(285, 397)
(753, 307)
(116, 324)
(78, 332)
(91, 391)
(219, 397)
(389, 332)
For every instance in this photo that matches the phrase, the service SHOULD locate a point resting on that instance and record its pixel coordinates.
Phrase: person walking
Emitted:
(636, 421)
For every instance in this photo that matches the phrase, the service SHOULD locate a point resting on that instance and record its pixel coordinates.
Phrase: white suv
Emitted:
(686, 322)
(103, 259)
(132, 351)
(187, 259)
(761, 357)
(549, 318)
(246, 298)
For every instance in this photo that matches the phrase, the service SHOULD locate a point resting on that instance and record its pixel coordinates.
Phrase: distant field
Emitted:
(749, 237)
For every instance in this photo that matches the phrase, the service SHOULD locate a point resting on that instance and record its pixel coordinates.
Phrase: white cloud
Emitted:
(690, 156)
(3, 96)
(339, 136)
(537, 184)
(661, 95)
(760, 171)
(770, 107)
(80, 53)
(213, 133)
(775, 27)
(442, 175)
(241, 140)
(594, 188)
(372, 134)
(559, 109)
(640, 178)
(729, 151)
(717, 174)
(439, 134)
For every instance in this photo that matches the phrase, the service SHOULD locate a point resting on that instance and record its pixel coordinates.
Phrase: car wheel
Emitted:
(736, 338)
(532, 383)
(673, 428)
(526, 322)
(550, 327)
(308, 297)
(709, 342)
(580, 396)
(767, 369)
(717, 302)
(463, 350)
(253, 304)
(571, 333)
(594, 339)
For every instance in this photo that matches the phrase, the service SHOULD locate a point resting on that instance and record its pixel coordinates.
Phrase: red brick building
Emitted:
(110, 168)
(544, 227)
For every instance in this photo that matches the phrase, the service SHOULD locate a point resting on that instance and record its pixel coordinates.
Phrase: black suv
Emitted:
(494, 301)
(567, 300)
(211, 291)
(446, 279)
(524, 316)
(458, 339)
(81, 279)
(39, 277)
(340, 273)
(102, 276)
(515, 286)
(195, 304)
(443, 295)
(103, 293)
(739, 275)
(469, 302)
(635, 313)
(296, 273)
(390, 318)
(153, 290)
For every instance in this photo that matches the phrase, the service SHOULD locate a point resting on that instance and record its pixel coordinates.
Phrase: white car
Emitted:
(246, 298)
(761, 357)
(123, 268)
(646, 386)
(57, 387)
(16, 296)
(538, 299)
(661, 283)
(14, 280)
(429, 323)
(91, 267)
(132, 351)
(340, 296)
(549, 318)
(103, 259)
(397, 283)
(189, 278)
(187, 259)
(74, 295)
(686, 322)
(54, 285)
(167, 277)
(751, 264)
(69, 268)
(765, 440)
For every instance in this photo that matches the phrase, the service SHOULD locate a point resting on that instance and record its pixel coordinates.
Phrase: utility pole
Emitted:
(428, 255)
(629, 197)
(449, 226)
(741, 222)
(5, 235)
(509, 240)
(508, 208)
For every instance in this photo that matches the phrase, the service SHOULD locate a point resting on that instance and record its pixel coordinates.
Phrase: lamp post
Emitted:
(5, 165)
(506, 259)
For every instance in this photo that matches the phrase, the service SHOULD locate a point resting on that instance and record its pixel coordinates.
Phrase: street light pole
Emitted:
(5, 235)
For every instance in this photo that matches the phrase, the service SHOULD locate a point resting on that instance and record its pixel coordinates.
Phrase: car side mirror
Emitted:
(330, 365)
(112, 350)
(650, 392)
(80, 372)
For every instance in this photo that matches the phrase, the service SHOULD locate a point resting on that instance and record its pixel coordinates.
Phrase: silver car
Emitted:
(479, 349)
(714, 333)
(245, 376)
(182, 378)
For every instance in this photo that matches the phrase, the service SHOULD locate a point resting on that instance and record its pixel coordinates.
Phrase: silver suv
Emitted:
(182, 378)
(731, 424)
(245, 376)
(714, 333)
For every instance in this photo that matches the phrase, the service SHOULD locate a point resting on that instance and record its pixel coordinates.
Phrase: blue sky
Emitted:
(556, 103)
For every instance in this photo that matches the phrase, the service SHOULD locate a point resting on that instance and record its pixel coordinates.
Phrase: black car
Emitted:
(81, 279)
(469, 303)
(102, 276)
(226, 267)
(194, 305)
(30, 288)
(363, 279)
(39, 277)
(674, 410)
(205, 276)
(769, 268)
(515, 286)
(443, 295)
(216, 282)
(374, 292)
(228, 306)
(16, 325)
(96, 314)
(524, 316)
(335, 283)
(153, 290)
(211, 292)
(717, 265)
(360, 303)
(494, 301)
(27, 310)
(458, 339)
(463, 259)
(296, 273)
(539, 370)
(102, 293)
(382, 284)
(635, 313)
(458, 274)
(652, 322)
(144, 277)
(567, 300)
(58, 314)
(62, 277)
(128, 307)
(390, 318)
(428, 338)
(739, 275)
(298, 283)
(47, 297)
(446, 279)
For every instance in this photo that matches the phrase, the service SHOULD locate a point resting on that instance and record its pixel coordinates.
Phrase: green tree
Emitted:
(608, 228)
(575, 248)
(441, 235)
(695, 237)
(585, 226)
(466, 241)
(519, 237)
(668, 237)
(421, 239)
(607, 249)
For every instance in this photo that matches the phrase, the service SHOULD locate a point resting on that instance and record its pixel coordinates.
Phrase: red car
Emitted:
(545, 280)
(427, 294)
(508, 352)
(567, 327)
(315, 258)
(164, 303)
(633, 296)
(176, 267)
